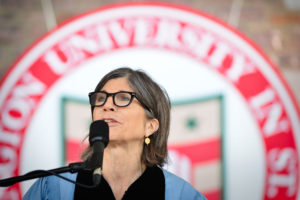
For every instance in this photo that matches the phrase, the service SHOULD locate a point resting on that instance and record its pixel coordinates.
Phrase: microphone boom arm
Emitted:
(72, 167)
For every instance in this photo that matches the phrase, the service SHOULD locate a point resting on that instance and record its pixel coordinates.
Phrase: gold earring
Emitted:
(147, 141)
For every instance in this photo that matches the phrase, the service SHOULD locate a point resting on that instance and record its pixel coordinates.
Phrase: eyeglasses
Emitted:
(120, 99)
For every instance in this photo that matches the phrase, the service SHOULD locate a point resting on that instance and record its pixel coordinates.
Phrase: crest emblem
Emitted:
(193, 56)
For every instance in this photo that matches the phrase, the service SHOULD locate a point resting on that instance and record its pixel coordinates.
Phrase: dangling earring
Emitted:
(147, 141)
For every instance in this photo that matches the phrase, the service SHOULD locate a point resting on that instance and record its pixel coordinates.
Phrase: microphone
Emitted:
(98, 139)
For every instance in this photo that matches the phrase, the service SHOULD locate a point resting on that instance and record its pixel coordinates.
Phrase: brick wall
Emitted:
(268, 23)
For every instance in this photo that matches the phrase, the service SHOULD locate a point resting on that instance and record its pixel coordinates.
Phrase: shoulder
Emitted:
(177, 188)
(52, 187)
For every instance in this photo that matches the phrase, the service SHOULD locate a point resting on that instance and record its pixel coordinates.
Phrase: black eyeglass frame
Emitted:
(132, 95)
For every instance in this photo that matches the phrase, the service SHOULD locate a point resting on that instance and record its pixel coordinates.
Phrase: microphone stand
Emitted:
(72, 167)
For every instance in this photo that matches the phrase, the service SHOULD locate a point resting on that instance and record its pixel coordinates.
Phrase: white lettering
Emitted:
(86, 44)
(56, 64)
(141, 33)
(204, 45)
(31, 86)
(104, 38)
(9, 138)
(282, 160)
(262, 98)
(66, 57)
(272, 112)
(237, 67)
(15, 113)
(218, 55)
(168, 34)
(189, 38)
(273, 118)
(119, 34)
(9, 156)
(17, 108)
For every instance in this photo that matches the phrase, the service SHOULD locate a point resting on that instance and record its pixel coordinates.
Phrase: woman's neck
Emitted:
(122, 166)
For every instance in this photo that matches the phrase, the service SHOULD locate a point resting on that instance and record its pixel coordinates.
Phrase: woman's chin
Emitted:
(124, 141)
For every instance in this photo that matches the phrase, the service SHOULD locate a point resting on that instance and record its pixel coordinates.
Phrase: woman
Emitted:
(137, 111)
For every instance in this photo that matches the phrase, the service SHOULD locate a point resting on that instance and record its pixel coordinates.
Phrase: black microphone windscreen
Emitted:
(99, 131)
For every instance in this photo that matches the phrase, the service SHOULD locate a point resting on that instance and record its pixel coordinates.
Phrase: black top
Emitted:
(150, 185)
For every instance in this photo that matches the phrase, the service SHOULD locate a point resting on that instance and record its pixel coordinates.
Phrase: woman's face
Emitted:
(125, 123)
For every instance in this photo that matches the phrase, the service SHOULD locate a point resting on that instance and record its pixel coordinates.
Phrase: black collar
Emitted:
(150, 185)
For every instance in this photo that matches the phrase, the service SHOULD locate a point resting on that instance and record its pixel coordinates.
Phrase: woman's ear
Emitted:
(152, 126)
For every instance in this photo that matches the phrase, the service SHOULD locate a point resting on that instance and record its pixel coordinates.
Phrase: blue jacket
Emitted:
(53, 188)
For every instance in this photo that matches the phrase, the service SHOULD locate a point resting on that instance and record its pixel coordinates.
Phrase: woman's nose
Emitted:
(109, 104)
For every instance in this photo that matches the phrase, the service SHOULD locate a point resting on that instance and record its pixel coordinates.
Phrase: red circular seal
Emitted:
(235, 127)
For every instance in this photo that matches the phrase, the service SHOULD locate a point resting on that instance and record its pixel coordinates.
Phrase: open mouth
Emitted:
(110, 121)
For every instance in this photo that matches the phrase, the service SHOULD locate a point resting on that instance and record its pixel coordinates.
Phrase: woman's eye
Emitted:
(100, 98)
(123, 97)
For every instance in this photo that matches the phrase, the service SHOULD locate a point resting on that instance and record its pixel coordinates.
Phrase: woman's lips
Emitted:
(110, 121)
